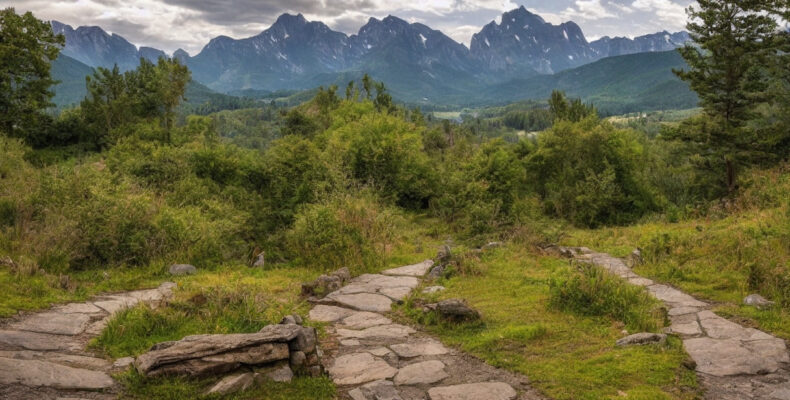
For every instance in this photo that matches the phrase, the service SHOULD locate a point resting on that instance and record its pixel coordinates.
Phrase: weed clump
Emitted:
(591, 291)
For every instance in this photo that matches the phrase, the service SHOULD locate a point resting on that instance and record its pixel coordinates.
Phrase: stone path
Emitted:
(733, 362)
(43, 355)
(371, 358)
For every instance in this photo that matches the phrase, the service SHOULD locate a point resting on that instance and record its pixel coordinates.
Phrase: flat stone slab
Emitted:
(426, 372)
(199, 353)
(474, 391)
(720, 328)
(35, 373)
(378, 390)
(78, 308)
(426, 347)
(724, 357)
(33, 341)
(114, 304)
(685, 324)
(383, 281)
(682, 311)
(640, 281)
(324, 313)
(54, 323)
(419, 269)
(392, 331)
(356, 368)
(363, 301)
(673, 296)
(365, 319)
(69, 360)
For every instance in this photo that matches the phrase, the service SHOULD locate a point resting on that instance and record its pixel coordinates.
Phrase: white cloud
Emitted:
(666, 10)
(190, 24)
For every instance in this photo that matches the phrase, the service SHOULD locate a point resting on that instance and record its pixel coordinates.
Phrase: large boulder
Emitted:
(209, 354)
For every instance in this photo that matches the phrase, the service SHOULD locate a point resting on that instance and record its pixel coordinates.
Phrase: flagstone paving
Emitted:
(371, 358)
(733, 361)
(43, 355)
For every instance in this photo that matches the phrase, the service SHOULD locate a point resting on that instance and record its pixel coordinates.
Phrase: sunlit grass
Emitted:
(564, 354)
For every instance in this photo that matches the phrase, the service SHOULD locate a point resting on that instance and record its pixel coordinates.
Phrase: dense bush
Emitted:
(591, 173)
(344, 231)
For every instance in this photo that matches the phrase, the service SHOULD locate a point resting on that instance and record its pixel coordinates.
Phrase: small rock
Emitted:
(455, 309)
(182, 269)
(279, 374)
(260, 261)
(293, 319)
(298, 360)
(349, 342)
(491, 245)
(233, 384)
(635, 258)
(436, 272)
(433, 289)
(641, 338)
(757, 301)
(364, 320)
(444, 253)
(304, 341)
(123, 363)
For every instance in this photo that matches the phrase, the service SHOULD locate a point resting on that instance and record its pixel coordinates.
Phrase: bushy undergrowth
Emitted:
(590, 290)
(343, 231)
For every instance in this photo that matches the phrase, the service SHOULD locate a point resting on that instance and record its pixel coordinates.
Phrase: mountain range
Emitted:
(419, 64)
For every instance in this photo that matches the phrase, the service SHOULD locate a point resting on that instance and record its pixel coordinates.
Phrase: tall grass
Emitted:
(592, 291)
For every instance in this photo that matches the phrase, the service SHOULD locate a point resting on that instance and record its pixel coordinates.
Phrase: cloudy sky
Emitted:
(190, 24)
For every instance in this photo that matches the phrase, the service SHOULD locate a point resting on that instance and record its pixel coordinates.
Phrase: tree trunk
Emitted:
(730, 175)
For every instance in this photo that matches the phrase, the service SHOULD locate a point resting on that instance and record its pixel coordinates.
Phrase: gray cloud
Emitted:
(190, 24)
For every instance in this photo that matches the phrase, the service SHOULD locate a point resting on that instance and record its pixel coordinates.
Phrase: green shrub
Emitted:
(590, 290)
(345, 231)
(591, 173)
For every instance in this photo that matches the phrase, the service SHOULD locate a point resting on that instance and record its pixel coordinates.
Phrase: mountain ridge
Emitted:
(294, 52)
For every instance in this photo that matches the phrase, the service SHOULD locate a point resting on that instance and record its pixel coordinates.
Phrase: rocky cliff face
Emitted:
(524, 40)
(96, 48)
(618, 46)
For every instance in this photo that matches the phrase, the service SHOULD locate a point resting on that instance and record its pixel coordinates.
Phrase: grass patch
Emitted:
(173, 388)
(29, 292)
(590, 290)
(227, 300)
(566, 355)
(721, 260)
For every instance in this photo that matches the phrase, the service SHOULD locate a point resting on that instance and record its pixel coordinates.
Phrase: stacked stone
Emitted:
(276, 352)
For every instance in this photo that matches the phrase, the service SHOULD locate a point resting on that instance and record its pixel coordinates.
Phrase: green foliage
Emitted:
(152, 91)
(572, 110)
(345, 231)
(734, 41)
(590, 290)
(27, 46)
(591, 173)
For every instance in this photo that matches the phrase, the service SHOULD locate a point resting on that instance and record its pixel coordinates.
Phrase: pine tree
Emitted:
(27, 46)
(731, 45)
